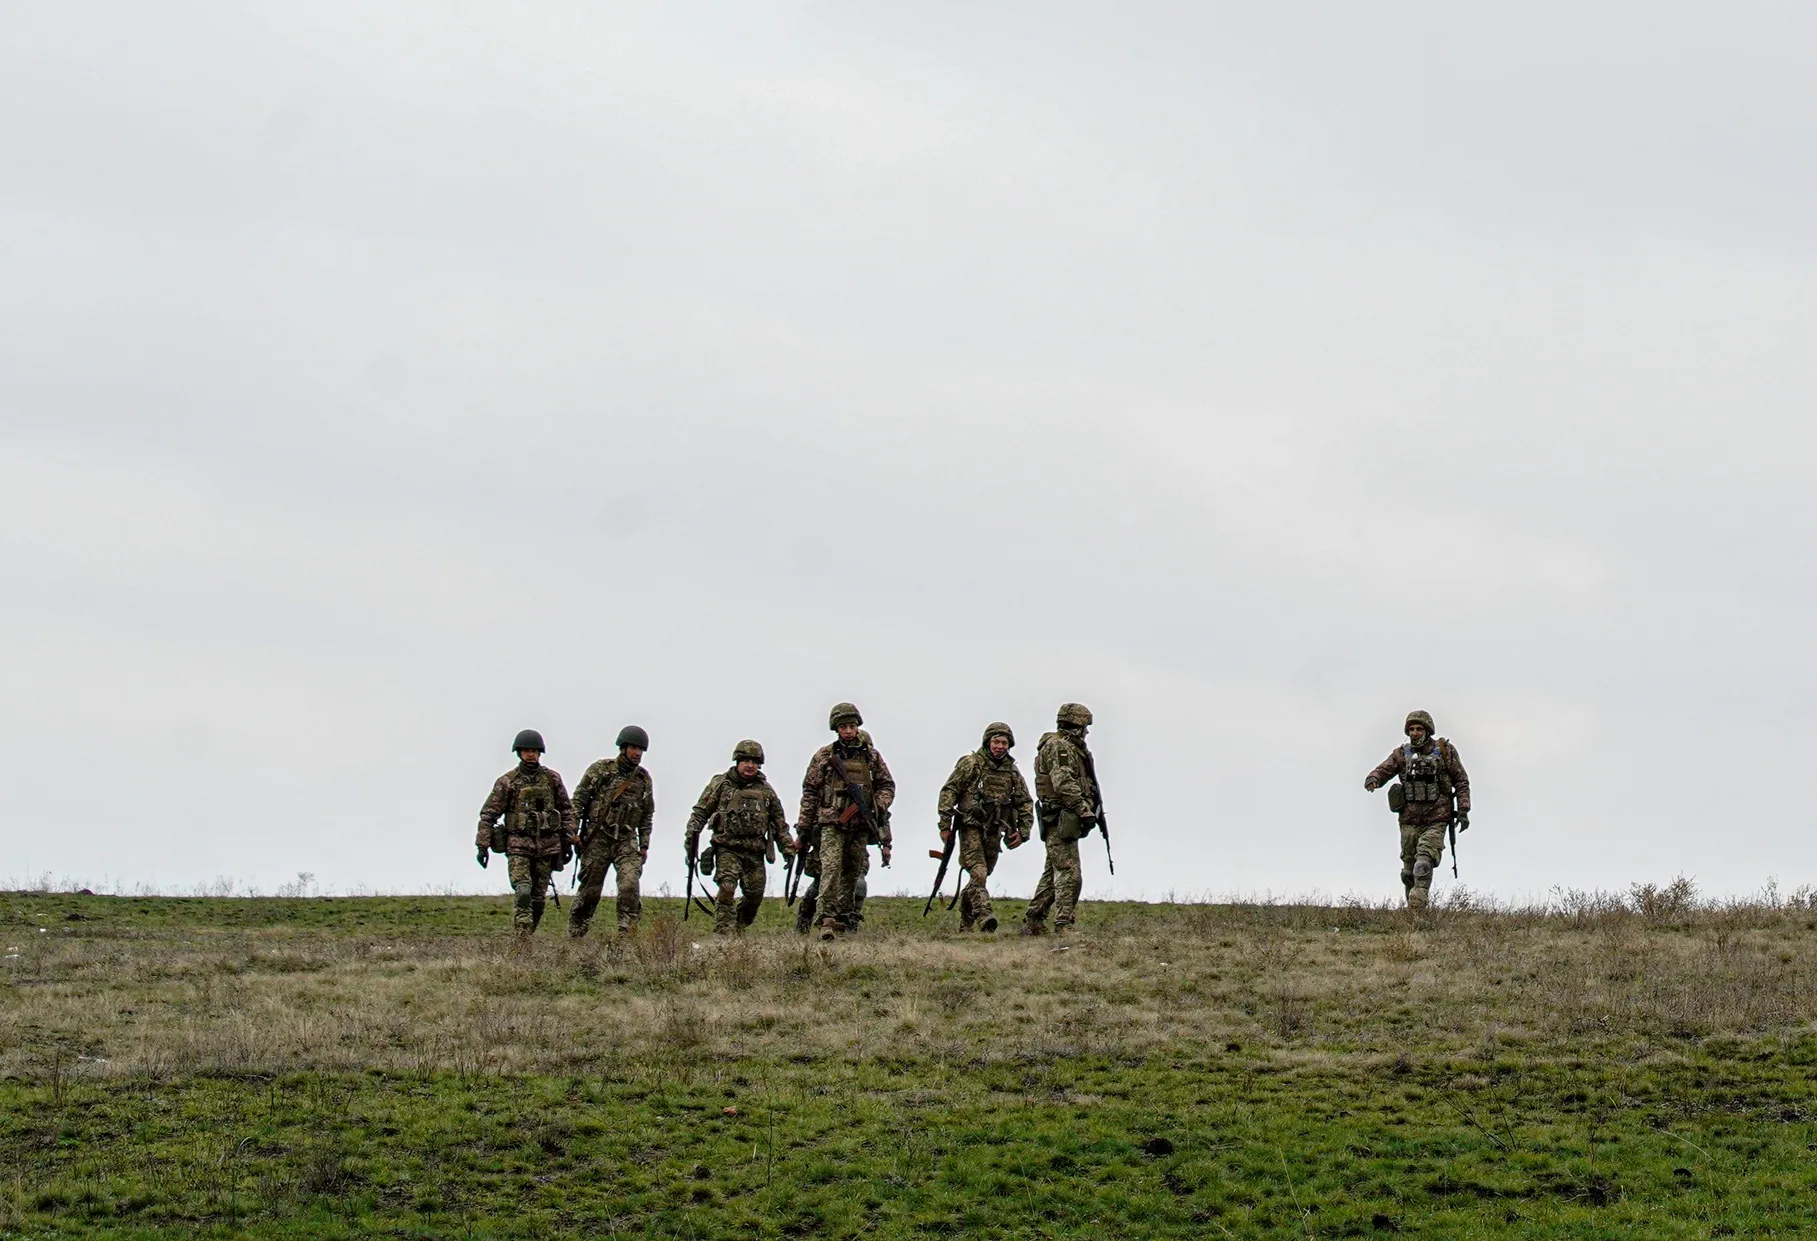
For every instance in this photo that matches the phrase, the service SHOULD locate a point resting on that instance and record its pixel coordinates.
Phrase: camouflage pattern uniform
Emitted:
(843, 844)
(617, 803)
(1431, 774)
(1068, 812)
(539, 828)
(987, 802)
(808, 842)
(748, 822)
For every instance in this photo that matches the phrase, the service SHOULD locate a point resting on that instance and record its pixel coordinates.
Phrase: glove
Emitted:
(885, 850)
(1463, 820)
(1013, 840)
(485, 855)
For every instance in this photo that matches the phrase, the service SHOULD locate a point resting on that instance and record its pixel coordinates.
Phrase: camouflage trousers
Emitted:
(604, 852)
(1422, 848)
(733, 872)
(530, 888)
(845, 858)
(809, 904)
(978, 850)
(1060, 878)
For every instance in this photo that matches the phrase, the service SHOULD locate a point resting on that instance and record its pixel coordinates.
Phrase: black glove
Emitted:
(485, 855)
(1463, 820)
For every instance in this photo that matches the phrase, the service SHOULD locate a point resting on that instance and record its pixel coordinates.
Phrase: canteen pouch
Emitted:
(501, 838)
(1397, 797)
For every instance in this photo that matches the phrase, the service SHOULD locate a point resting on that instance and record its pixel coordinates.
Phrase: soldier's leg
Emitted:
(630, 867)
(987, 916)
(1067, 881)
(833, 880)
(971, 861)
(861, 855)
(593, 865)
(751, 886)
(523, 893)
(1427, 854)
(545, 873)
(1410, 839)
(725, 902)
(1035, 919)
(805, 906)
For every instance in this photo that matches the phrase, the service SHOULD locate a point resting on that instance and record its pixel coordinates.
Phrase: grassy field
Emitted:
(1641, 1067)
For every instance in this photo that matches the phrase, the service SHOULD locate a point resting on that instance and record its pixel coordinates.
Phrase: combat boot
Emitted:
(1034, 928)
(989, 925)
(829, 930)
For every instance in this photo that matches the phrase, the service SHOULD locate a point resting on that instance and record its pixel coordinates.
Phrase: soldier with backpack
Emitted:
(528, 818)
(1431, 796)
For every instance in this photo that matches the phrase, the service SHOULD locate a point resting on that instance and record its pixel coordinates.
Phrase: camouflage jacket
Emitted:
(610, 799)
(745, 815)
(1454, 779)
(989, 793)
(824, 801)
(1061, 780)
(533, 802)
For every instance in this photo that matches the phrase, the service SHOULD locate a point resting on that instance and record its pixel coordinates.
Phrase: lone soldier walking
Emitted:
(986, 801)
(616, 803)
(851, 764)
(529, 819)
(1069, 810)
(748, 824)
(1431, 777)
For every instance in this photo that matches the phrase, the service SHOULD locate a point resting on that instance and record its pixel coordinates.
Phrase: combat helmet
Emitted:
(1074, 713)
(841, 712)
(997, 728)
(1420, 717)
(631, 734)
(528, 739)
(747, 749)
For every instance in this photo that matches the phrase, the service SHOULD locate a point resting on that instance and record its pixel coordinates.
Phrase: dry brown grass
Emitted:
(1352, 980)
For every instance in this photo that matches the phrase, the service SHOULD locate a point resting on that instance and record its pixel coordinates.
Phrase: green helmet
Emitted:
(842, 712)
(631, 734)
(529, 739)
(747, 750)
(997, 728)
(1419, 717)
(1074, 713)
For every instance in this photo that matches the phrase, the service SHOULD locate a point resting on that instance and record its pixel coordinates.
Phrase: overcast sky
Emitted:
(377, 380)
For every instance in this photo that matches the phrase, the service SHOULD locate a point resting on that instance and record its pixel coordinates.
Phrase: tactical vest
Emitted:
(532, 808)
(1424, 776)
(991, 794)
(620, 799)
(743, 816)
(857, 768)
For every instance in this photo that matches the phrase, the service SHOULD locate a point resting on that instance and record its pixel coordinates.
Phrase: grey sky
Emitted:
(377, 380)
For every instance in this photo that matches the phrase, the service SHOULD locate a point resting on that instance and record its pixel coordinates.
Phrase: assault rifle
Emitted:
(946, 856)
(859, 809)
(791, 883)
(1451, 827)
(1097, 798)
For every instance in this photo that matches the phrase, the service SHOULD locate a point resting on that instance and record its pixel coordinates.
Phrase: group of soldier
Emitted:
(846, 795)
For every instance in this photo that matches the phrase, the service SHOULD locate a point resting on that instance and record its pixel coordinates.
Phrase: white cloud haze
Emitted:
(377, 380)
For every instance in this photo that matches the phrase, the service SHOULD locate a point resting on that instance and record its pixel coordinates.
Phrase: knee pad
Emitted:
(1422, 872)
(860, 890)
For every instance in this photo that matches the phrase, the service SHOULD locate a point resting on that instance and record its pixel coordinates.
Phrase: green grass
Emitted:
(1176, 1072)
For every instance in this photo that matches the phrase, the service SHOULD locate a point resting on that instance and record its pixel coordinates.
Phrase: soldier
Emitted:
(986, 801)
(1431, 776)
(844, 834)
(616, 803)
(1069, 810)
(748, 824)
(536, 833)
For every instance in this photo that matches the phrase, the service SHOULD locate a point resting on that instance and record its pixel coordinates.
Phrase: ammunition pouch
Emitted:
(706, 863)
(1397, 797)
(501, 838)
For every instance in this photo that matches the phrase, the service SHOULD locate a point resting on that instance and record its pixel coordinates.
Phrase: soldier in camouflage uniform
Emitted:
(986, 801)
(1431, 776)
(529, 819)
(616, 801)
(844, 840)
(1069, 810)
(808, 842)
(748, 824)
